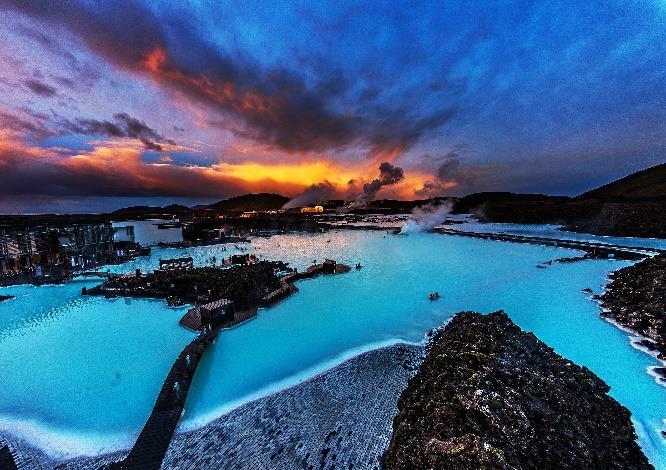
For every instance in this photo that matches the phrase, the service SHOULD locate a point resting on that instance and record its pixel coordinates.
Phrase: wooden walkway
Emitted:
(595, 249)
(104, 274)
(153, 442)
(7, 459)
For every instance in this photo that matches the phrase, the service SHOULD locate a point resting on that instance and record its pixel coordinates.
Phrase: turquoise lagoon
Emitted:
(81, 374)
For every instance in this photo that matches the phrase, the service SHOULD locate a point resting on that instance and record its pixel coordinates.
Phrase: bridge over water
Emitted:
(594, 249)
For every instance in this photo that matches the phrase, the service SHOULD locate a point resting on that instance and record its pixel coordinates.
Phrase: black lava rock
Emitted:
(636, 299)
(489, 395)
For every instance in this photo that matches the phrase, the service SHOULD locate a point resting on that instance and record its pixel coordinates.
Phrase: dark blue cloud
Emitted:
(544, 96)
(547, 89)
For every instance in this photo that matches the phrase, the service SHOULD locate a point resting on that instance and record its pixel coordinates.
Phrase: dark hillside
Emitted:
(643, 186)
(251, 202)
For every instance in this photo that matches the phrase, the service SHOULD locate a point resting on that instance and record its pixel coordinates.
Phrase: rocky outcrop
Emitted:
(245, 285)
(636, 299)
(489, 395)
(5, 297)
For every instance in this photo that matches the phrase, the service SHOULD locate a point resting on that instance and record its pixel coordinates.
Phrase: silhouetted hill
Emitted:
(642, 186)
(634, 206)
(472, 201)
(251, 202)
(146, 211)
(177, 209)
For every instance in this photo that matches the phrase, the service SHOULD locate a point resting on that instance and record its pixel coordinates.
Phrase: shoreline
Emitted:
(295, 380)
(492, 395)
(325, 368)
(387, 360)
(635, 339)
(285, 388)
(631, 297)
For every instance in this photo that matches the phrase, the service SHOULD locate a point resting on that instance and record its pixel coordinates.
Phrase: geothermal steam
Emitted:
(315, 194)
(424, 219)
(389, 174)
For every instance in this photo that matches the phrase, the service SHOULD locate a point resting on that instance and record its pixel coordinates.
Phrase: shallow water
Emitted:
(552, 231)
(330, 318)
(80, 373)
(147, 232)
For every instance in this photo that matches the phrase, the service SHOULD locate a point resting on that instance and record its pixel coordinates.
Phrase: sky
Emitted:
(105, 104)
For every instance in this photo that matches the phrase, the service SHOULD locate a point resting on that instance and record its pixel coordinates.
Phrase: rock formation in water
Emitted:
(489, 395)
(636, 299)
(243, 284)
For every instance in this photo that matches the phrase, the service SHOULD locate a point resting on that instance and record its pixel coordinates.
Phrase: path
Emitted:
(149, 449)
(601, 250)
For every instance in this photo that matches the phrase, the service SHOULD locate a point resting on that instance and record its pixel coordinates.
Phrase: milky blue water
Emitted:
(552, 231)
(147, 232)
(93, 367)
(80, 373)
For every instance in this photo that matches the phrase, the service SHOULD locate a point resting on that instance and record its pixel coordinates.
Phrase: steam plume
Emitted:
(388, 175)
(424, 219)
(318, 192)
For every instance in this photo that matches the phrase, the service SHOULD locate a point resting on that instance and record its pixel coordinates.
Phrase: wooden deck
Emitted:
(153, 441)
(192, 319)
(594, 249)
(7, 459)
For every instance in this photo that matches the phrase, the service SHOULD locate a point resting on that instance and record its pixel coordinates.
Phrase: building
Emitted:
(87, 245)
(312, 209)
(246, 258)
(214, 313)
(18, 250)
(46, 249)
(124, 234)
(329, 266)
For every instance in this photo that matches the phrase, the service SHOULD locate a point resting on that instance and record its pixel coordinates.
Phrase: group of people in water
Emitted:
(434, 296)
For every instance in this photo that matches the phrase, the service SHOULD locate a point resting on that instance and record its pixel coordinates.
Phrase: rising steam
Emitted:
(315, 194)
(389, 174)
(424, 219)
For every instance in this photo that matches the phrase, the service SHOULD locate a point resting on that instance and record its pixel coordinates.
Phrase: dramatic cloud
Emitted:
(448, 167)
(388, 175)
(274, 106)
(123, 125)
(41, 88)
(451, 175)
(118, 171)
(304, 97)
(28, 124)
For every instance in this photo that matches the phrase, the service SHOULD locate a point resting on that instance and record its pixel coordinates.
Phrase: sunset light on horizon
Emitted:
(203, 101)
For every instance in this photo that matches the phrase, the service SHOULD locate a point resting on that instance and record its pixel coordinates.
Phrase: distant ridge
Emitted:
(633, 206)
(642, 186)
(133, 211)
(251, 202)
(472, 201)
